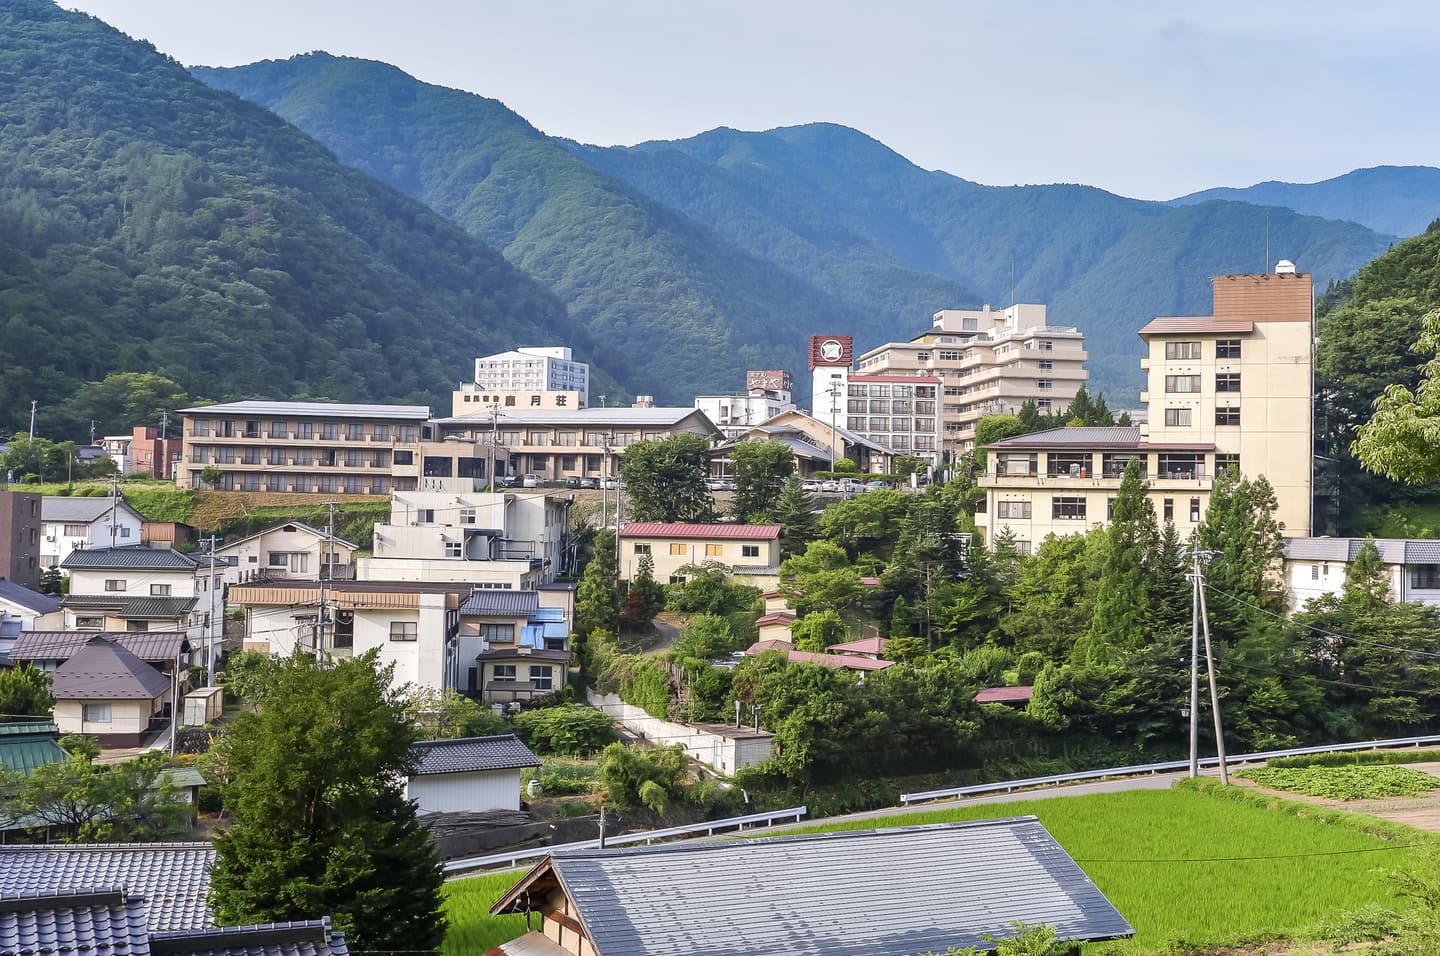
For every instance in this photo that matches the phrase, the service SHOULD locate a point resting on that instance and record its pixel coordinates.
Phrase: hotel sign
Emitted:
(831, 350)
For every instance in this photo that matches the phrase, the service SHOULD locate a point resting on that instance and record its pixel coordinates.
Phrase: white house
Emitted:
(69, 523)
(469, 775)
(503, 541)
(1315, 567)
(292, 551)
(137, 588)
(22, 609)
(105, 691)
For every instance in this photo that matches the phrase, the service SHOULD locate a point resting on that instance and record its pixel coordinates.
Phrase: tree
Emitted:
(446, 715)
(211, 475)
(817, 631)
(646, 596)
(25, 692)
(249, 675)
(124, 400)
(120, 803)
(597, 600)
(822, 577)
(1402, 438)
(321, 820)
(760, 469)
(1124, 614)
(572, 729)
(708, 638)
(52, 581)
(665, 479)
(795, 511)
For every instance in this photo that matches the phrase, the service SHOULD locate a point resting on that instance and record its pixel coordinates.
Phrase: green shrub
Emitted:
(567, 729)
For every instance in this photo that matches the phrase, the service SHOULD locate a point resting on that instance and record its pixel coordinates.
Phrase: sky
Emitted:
(1145, 98)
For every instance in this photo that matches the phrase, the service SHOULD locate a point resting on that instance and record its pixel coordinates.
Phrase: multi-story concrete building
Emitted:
(526, 378)
(898, 412)
(767, 394)
(989, 363)
(1231, 389)
(309, 447)
(20, 538)
(70, 523)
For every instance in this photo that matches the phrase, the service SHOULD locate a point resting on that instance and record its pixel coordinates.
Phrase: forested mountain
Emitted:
(679, 309)
(151, 223)
(1398, 200)
(1107, 264)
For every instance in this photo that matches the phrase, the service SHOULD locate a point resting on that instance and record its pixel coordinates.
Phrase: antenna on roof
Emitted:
(1267, 242)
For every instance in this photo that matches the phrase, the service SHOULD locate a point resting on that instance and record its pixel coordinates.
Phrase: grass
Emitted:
(472, 930)
(1345, 783)
(1346, 758)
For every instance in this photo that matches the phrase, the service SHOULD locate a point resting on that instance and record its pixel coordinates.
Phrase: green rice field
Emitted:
(1190, 868)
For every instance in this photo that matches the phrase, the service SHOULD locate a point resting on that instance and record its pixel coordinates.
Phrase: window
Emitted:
(714, 550)
(403, 631)
(279, 559)
(408, 433)
(304, 429)
(1177, 418)
(454, 549)
(76, 530)
(1169, 511)
(750, 550)
(1044, 384)
(1067, 465)
(136, 627)
(1013, 509)
(1012, 464)
(504, 671)
(89, 623)
(467, 515)
(1194, 510)
(1425, 576)
(1045, 365)
(1115, 463)
(1225, 462)
(95, 713)
(159, 590)
(1184, 465)
(277, 429)
(380, 433)
(677, 548)
(542, 677)
(114, 584)
(1314, 572)
(498, 633)
(642, 549)
(330, 431)
(1182, 384)
(1227, 382)
(1182, 350)
(355, 432)
(1227, 348)
(1227, 415)
(401, 458)
(1067, 507)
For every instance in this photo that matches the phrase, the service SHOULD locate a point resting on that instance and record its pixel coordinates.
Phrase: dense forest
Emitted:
(151, 224)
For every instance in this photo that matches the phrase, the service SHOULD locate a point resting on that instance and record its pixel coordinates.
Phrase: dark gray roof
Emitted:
(97, 921)
(137, 607)
(471, 755)
(1100, 436)
(501, 604)
(103, 670)
(149, 646)
(173, 878)
(506, 653)
(413, 413)
(79, 510)
(308, 938)
(1392, 550)
(136, 556)
(894, 892)
(22, 596)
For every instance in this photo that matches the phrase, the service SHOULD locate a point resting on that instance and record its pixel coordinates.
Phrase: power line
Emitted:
(1320, 630)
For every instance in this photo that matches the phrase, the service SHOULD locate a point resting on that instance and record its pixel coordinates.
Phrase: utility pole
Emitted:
(92, 431)
(114, 503)
(1194, 659)
(494, 440)
(33, 404)
(320, 619)
(164, 423)
(174, 702)
(1214, 691)
(210, 627)
(834, 393)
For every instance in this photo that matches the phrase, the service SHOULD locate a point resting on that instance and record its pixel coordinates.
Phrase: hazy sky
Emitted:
(1145, 98)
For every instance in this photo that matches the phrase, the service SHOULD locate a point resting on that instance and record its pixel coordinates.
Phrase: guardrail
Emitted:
(1169, 766)
(514, 858)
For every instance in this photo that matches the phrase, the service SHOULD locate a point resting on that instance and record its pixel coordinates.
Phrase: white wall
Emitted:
(421, 661)
(465, 792)
(253, 555)
(725, 754)
(509, 575)
(126, 716)
(56, 545)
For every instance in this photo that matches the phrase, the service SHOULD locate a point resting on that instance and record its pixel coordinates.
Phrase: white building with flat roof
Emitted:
(550, 369)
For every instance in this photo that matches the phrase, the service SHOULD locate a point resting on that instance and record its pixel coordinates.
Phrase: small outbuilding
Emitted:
(468, 775)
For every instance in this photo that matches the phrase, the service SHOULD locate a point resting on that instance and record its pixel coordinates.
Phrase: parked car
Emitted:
(876, 485)
(610, 484)
(531, 481)
(830, 485)
(719, 484)
(591, 483)
(573, 481)
(509, 481)
(812, 484)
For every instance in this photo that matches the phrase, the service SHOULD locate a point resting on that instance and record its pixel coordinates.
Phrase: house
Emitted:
(871, 647)
(166, 651)
(27, 744)
(468, 775)
(517, 643)
(20, 537)
(67, 523)
(816, 444)
(1316, 567)
(775, 626)
(836, 662)
(749, 552)
(23, 609)
(174, 878)
(135, 588)
(104, 691)
(767, 394)
(292, 551)
(500, 540)
(894, 892)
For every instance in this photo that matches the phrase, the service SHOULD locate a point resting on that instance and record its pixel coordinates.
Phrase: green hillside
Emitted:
(674, 306)
(150, 223)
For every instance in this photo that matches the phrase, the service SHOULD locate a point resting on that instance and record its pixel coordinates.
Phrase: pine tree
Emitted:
(900, 623)
(795, 512)
(597, 600)
(1124, 602)
(1365, 579)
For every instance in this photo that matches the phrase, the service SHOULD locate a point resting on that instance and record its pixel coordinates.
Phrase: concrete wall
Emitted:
(465, 792)
(421, 661)
(725, 754)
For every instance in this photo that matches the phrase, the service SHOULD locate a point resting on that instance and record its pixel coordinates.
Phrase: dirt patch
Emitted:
(1421, 812)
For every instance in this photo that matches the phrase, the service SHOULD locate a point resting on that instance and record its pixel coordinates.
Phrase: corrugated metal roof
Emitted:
(174, 878)
(103, 670)
(149, 646)
(501, 604)
(894, 892)
(849, 662)
(136, 556)
(866, 645)
(471, 755)
(98, 921)
(21, 596)
(740, 532)
(307, 938)
(136, 608)
(83, 510)
(313, 410)
(1172, 324)
(27, 744)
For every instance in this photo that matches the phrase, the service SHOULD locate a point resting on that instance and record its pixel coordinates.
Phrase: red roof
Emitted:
(1005, 695)
(866, 645)
(660, 529)
(870, 581)
(1175, 324)
(832, 661)
(775, 617)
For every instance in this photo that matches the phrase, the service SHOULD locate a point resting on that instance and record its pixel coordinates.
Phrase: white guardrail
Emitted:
(512, 859)
(1169, 766)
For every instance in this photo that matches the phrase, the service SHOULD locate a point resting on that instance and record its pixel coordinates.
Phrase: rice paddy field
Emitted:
(1193, 868)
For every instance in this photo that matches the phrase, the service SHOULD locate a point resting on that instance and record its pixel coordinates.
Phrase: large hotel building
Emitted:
(1230, 389)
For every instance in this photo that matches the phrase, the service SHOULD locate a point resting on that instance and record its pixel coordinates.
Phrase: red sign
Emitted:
(831, 350)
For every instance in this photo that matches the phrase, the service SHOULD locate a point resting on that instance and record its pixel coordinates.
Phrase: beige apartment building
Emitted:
(1231, 389)
(989, 362)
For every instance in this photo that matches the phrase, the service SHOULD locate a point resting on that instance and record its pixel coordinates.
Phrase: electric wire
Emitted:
(1431, 655)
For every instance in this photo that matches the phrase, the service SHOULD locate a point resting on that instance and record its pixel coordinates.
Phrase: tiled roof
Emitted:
(699, 532)
(312, 410)
(835, 662)
(1117, 436)
(500, 604)
(96, 921)
(1168, 324)
(149, 646)
(133, 556)
(775, 617)
(866, 645)
(27, 744)
(103, 670)
(174, 878)
(83, 510)
(308, 938)
(582, 418)
(506, 653)
(471, 755)
(1005, 695)
(890, 892)
(21, 596)
(136, 607)
(1344, 550)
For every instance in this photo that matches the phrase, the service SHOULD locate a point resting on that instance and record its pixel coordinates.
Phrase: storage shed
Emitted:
(468, 775)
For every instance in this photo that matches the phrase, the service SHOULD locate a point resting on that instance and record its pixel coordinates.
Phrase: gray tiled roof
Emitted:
(149, 646)
(1422, 552)
(22, 596)
(127, 557)
(1344, 550)
(98, 921)
(83, 510)
(138, 607)
(103, 670)
(893, 892)
(174, 878)
(312, 410)
(308, 938)
(1100, 436)
(500, 604)
(471, 754)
